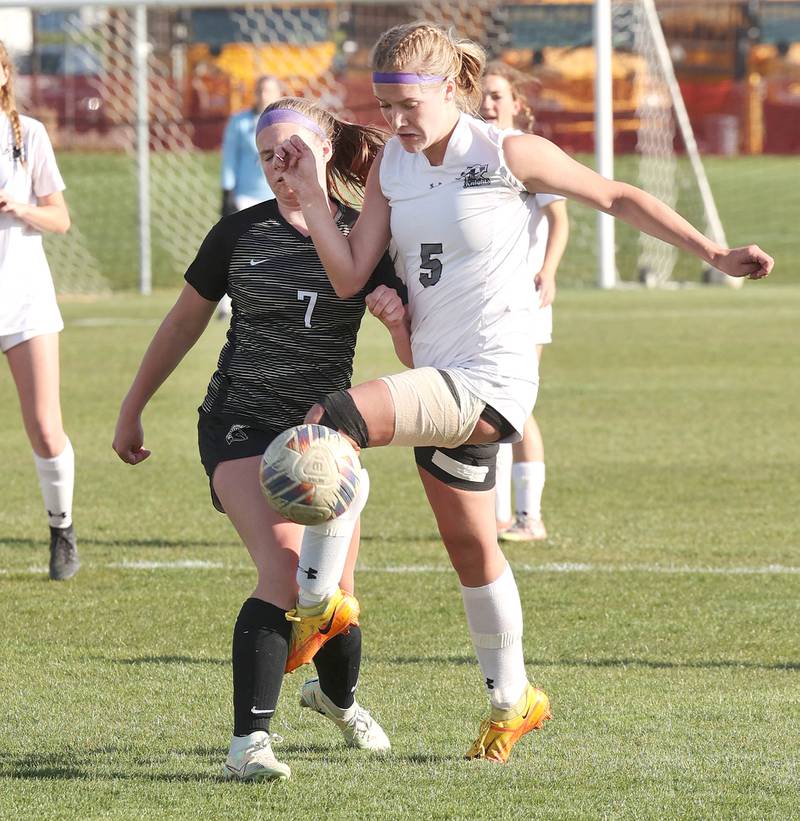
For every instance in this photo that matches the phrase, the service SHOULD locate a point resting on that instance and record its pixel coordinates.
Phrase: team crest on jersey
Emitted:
(475, 175)
(236, 434)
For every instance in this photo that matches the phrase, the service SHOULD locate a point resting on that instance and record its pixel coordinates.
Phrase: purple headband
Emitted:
(404, 77)
(288, 115)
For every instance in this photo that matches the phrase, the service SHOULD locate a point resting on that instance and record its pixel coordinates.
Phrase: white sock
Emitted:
(323, 552)
(57, 481)
(529, 485)
(494, 616)
(502, 483)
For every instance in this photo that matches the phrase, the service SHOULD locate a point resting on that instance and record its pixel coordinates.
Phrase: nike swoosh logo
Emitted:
(327, 629)
(257, 261)
(256, 712)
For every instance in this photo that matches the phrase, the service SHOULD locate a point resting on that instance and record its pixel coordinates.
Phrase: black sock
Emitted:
(260, 648)
(338, 663)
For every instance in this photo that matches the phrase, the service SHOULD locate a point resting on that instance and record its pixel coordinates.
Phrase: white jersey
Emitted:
(27, 295)
(463, 233)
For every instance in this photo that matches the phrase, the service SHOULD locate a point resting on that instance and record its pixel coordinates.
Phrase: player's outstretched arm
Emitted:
(543, 167)
(385, 304)
(349, 261)
(181, 328)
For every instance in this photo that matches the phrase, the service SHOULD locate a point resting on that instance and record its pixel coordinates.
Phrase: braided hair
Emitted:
(8, 104)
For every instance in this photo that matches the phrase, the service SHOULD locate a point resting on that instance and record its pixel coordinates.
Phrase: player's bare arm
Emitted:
(543, 167)
(557, 236)
(49, 214)
(349, 261)
(385, 304)
(178, 332)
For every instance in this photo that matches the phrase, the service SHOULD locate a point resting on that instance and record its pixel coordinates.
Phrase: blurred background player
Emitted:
(31, 202)
(505, 105)
(243, 181)
(291, 340)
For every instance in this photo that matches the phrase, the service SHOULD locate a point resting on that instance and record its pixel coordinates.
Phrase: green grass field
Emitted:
(758, 199)
(661, 616)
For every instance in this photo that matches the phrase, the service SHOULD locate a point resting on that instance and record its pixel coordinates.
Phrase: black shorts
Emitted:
(467, 467)
(222, 438)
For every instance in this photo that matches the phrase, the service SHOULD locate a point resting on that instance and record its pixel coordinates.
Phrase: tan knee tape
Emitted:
(426, 412)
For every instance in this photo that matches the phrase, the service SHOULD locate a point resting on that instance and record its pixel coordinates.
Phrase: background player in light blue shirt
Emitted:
(243, 181)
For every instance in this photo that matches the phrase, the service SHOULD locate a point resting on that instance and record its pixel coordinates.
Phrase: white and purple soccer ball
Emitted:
(310, 474)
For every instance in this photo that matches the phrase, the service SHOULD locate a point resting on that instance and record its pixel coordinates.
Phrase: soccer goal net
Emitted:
(136, 99)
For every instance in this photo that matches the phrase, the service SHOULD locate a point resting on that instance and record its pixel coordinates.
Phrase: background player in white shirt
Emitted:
(451, 190)
(31, 202)
(504, 105)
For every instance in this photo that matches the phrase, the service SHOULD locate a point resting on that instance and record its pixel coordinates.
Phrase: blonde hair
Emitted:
(354, 146)
(517, 81)
(8, 104)
(428, 49)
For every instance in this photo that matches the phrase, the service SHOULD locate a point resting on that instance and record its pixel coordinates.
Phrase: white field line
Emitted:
(182, 564)
(109, 321)
(410, 569)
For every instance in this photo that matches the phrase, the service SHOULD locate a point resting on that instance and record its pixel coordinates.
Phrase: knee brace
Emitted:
(468, 467)
(340, 413)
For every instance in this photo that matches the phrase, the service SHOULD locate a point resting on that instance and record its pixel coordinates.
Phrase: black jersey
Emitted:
(291, 339)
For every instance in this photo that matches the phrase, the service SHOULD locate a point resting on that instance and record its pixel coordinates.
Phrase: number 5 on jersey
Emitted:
(311, 296)
(430, 267)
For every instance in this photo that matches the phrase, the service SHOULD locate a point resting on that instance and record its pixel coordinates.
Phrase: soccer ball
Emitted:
(310, 474)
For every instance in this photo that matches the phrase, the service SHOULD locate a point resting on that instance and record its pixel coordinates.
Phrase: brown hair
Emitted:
(354, 146)
(8, 104)
(517, 82)
(430, 49)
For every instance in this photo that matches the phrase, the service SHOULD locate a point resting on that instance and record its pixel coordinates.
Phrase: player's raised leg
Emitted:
(323, 609)
(338, 662)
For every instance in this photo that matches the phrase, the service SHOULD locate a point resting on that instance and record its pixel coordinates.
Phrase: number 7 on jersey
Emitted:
(311, 296)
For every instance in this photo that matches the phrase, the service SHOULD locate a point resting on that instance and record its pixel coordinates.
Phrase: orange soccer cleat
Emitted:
(313, 626)
(504, 728)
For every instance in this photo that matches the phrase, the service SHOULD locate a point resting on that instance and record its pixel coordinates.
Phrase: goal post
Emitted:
(136, 95)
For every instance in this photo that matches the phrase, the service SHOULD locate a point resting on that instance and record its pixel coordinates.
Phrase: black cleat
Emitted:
(64, 561)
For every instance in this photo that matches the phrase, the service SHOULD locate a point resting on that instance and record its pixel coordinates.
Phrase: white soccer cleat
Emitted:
(250, 758)
(358, 727)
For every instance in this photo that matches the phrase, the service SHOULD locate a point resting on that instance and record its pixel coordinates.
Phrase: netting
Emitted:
(202, 64)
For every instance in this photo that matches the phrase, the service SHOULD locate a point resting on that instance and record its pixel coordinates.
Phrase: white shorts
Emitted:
(8, 341)
(542, 324)
(432, 409)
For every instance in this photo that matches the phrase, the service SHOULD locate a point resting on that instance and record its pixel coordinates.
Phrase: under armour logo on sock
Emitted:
(57, 515)
(490, 684)
(311, 573)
